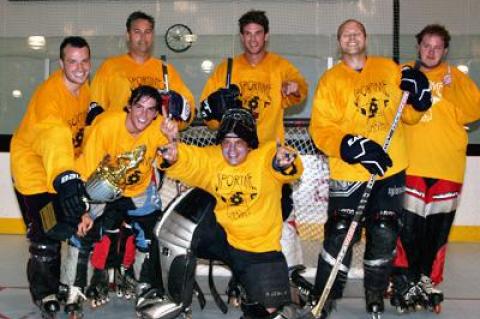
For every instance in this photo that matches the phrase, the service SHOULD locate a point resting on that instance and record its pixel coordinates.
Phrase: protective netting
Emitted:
(310, 193)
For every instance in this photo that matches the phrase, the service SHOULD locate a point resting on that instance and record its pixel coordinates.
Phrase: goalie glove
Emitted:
(213, 107)
(176, 104)
(94, 110)
(359, 149)
(416, 84)
(71, 194)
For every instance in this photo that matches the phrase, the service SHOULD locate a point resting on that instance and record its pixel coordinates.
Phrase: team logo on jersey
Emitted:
(237, 192)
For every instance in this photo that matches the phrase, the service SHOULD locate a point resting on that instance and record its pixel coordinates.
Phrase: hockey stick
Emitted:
(316, 311)
(165, 72)
(228, 79)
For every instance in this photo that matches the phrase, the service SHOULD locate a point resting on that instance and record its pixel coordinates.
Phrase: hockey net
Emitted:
(310, 193)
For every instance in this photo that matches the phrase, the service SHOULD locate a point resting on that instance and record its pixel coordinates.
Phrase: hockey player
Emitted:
(239, 223)
(111, 88)
(434, 175)
(43, 150)
(113, 134)
(354, 105)
(266, 84)
(119, 75)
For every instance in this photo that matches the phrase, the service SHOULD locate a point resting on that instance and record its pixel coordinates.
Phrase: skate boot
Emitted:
(62, 293)
(303, 285)
(49, 306)
(432, 297)
(374, 302)
(125, 282)
(234, 293)
(405, 295)
(147, 297)
(74, 302)
(97, 292)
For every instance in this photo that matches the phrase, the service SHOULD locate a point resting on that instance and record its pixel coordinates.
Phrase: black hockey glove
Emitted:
(213, 107)
(93, 111)
(71, 194)
(177, 105)
(359, 149)
(416, 83)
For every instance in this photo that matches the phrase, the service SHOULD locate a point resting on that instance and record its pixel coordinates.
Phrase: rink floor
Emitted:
(461, 287)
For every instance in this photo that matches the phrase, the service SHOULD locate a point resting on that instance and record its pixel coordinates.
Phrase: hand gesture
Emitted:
(284, 156)
(290, 88)
(169, 127)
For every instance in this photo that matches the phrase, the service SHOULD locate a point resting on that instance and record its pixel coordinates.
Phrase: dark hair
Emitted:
(73, 41)
(340, 27)
(145, 91)
(254, 16)
(435, 29)
(139, 15)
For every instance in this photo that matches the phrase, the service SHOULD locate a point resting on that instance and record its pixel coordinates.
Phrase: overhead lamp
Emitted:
(36, 42)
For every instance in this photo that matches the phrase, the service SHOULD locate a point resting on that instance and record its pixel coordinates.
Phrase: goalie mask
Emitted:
(240, 122)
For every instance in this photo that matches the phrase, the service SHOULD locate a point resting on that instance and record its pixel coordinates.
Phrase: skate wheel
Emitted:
(418, 307)
(437, 308)
(400, 309)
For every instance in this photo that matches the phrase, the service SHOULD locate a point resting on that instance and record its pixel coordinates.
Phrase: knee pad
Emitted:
(44, 251)
(382, 234)
(176, 234)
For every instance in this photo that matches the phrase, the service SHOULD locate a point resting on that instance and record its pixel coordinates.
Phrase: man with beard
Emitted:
(437, 155)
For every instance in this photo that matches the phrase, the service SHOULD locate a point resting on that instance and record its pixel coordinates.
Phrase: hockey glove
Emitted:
(359, 149)
(177, 105)
(71, 194)
(93, 111)
(416, 83)
(213, 107)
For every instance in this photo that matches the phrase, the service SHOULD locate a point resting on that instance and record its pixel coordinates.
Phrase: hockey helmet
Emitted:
(240, 122)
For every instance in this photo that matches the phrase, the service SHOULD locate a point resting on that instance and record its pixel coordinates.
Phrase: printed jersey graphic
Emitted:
(371, 100)
(237, 192)
(255, 96)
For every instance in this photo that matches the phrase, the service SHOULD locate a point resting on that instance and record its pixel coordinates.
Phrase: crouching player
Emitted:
(114, 134)
(233, 216)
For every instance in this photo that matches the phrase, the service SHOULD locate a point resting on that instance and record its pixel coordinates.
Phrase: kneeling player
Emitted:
(234, 217)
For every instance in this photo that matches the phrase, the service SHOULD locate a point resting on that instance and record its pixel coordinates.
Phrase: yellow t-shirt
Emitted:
(437, 145)
(360, 103)
(109, 136)
(248, 195)
(49, 136)
(260, 87)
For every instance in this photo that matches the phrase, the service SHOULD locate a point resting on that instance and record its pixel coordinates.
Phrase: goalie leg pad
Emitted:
(176, 240)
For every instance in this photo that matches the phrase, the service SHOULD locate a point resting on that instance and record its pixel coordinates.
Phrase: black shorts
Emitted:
(264, 276)
(30, 206)
(386, 195)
